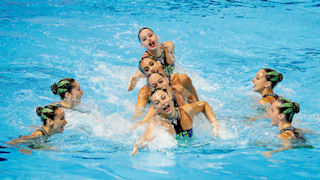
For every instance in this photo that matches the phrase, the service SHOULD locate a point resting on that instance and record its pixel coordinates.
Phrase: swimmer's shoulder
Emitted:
(287, 135)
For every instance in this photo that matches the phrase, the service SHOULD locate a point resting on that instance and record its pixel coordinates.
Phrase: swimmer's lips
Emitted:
(166, 108)
(152, 44)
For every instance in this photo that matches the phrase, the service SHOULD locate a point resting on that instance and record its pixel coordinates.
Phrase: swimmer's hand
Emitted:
(267, 154)
(134, 151)
(252, 119)
(215, 129)
(132, 83)
(25, 151)
(135, 126)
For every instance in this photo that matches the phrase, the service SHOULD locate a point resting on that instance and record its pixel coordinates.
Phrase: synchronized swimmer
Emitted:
(174, 101)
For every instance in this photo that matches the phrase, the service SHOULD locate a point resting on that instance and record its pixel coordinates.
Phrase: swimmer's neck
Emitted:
(47, 130)
(156, 52)
(266, 91)
(283, 125)
(66, 104)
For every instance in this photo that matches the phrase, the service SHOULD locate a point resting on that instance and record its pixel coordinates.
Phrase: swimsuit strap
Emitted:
(176, 122)
(175, 102)
(44, 133)
(270, 94)
(62, 106)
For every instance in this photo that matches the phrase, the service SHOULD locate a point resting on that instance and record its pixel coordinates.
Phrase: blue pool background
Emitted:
(219, 44)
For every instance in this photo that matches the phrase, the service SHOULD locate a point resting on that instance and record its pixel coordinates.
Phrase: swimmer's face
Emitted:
(150, 66)
(59, 121)
(76, 93)
(162, 102)
(148, 39)
(155, 81)
(260, 82)
(274, 113)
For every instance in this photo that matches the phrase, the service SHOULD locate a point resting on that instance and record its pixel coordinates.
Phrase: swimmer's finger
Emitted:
(25, 151)
(267, 154)
(134, 151)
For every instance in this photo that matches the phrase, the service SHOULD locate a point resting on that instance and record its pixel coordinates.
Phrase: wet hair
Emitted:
(273, 76)
(142, 30)
(149, 85)
(156, 90)
(63, 86)
(288, 108)
(140, 68)
(46, 112)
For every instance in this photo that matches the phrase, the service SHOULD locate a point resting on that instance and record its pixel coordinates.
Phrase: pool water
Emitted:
(219, 44)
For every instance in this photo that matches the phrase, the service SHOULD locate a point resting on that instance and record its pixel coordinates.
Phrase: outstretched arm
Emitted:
(146, 137)
(203, 106)
(150, 114)
(23, 140)
(286, 145)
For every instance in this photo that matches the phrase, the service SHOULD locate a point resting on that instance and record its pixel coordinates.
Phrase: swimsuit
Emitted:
(177, 125)
(298, 136)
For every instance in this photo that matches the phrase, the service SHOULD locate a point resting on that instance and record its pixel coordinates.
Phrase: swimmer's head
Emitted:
(157, 80)
(283, 110)
(52, 117)
(148, 39)
(148, 66)
(162, 101)
(69, 90)
(266, 79)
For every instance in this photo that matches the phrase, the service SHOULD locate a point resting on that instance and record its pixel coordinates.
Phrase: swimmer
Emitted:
(179, 94)
(281, 114)
(178, 121)
(163, 53)
(53, 122)
(148, 66)
(264, 82)
(69, 91)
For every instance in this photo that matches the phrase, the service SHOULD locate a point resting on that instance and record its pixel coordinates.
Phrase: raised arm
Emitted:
(142, 100)
(202, 106)
(186, 94)
(187, 83)
(168, 48)
(134, 79)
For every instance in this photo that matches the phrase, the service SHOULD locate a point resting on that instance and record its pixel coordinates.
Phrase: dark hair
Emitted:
(273, 76)
(63, 86)
(142, 30)
(149, 85)
(288, 108)
(46, 112)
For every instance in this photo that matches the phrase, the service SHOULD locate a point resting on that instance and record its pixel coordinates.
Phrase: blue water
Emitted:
(219, 44)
